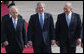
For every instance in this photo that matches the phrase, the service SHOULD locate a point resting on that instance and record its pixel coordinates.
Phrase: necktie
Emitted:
(41, 20)
(68, 19)
(14, 23)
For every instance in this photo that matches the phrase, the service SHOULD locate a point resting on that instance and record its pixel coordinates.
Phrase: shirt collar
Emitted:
(40, 13)
(10, 15)
(15, 19)
(70, 13)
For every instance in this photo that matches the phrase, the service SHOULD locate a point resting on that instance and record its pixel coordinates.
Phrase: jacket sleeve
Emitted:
(52, 33)
(30, 29)
(24, 33)
(3, 30)
(57, 28)
(79, 27)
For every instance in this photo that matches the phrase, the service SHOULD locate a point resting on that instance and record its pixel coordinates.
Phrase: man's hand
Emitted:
(2, 45)
(53, 42)
(78, 41)
(30, 43)
(82, 45)
(6, 43)
(25, 46)
(58, 44)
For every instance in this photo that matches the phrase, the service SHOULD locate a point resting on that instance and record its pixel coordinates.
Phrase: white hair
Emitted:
(13, 7)
(68, 4)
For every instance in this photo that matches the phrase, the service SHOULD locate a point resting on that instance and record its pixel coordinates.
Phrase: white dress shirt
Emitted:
(10, 15)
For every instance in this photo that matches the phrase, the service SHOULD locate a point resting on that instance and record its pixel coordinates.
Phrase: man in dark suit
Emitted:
(68, 30)
(13, 32)
(41, 30)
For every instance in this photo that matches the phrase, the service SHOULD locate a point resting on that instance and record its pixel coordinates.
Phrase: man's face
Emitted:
(67, 9)
(40, 8)
(14, 13)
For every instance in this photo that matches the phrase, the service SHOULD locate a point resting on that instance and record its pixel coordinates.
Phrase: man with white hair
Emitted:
(68, 30)
(41, 30)
(13, 32)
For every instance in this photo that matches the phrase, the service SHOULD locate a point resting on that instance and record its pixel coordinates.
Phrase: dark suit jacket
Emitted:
(82, 33)
(16, 38)
(36, 34)
(65, 33)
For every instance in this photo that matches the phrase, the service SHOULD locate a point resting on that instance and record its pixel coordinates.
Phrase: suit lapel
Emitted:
(45, 17)
(65, 20)
(18, 23)
(72, 18)
(37, 16)
(10, 23)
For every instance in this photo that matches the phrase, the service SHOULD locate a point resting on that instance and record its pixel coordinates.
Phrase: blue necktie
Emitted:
(41, 20)
(14, 23)
(68, 19)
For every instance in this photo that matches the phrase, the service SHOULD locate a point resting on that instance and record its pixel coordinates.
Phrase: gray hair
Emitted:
(39, 3)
